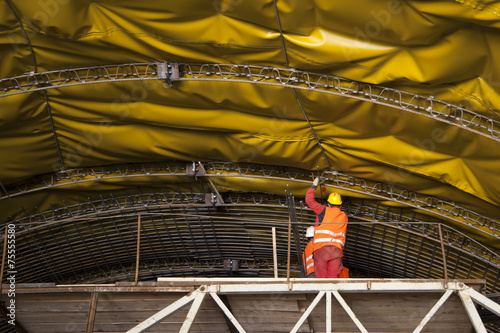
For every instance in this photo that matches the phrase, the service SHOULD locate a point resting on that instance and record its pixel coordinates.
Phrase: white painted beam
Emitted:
(433, 311)
(347, 309)
(192, 313)
(351, 286)
(154, 319)
(227, 312)
(472, 312)
(307, 312)
(483, 301)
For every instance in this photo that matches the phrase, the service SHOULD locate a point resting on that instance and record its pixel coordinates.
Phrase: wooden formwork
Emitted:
(252, 305)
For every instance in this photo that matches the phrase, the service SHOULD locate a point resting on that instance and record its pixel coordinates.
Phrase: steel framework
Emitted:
(356, 300)
(97, 241)
(323, 287)
(170, 72)
(224, 171)
(129, 204)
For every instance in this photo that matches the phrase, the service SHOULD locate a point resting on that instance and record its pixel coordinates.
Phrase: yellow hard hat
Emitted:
(335, 199)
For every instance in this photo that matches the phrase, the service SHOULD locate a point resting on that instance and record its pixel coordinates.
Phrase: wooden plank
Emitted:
(204, 327)
(54, 317)
(56, 327)
(269, 321)
(63, 297)
(263, 304)
(396, 316)
(120, 311)
(291, 296)
(69, 302)
(233, 325)
(79, 297)
(53, 306)
(134, 305)
(156, 317)
(92, 310)
(307, 312)
(112, 327)
(138, 316)
(347, 309)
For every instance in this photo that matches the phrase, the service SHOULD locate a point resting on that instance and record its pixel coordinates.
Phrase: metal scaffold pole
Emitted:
(138, 249)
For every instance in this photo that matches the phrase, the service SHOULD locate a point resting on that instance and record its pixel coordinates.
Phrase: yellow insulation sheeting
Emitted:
(249, 123)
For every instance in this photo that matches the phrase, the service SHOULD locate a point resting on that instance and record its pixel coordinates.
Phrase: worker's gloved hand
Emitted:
(316, 181)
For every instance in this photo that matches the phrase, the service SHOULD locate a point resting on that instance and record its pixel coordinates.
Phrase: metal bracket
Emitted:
(168, 72)
(231, 265)
(162, 70)
(212, 200)
(174, 71)
(194, 169)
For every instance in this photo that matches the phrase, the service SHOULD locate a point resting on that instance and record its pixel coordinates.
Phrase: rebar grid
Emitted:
(366, 252)
(404, 220)
(412, 256)
(446, 210)
(184, 268)
(91, 245)
(291, 78)
(255, 207)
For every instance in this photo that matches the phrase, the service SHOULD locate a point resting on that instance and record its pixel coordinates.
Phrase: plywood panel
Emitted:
(267, 304)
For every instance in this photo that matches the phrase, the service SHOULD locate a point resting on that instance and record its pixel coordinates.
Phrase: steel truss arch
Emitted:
(427, 106)
(110, 209)
(445, 210)
(97, 271)
(355, 209)
(409, 222)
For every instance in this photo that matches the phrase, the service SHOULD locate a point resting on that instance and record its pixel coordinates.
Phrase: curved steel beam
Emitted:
(47, 239)
(447, 211)
(128, 208)
(427, 106)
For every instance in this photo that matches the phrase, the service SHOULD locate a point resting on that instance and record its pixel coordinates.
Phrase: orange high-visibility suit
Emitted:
(329, 237)
(308, 260)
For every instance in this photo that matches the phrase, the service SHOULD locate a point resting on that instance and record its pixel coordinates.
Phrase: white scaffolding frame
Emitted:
(322, 287)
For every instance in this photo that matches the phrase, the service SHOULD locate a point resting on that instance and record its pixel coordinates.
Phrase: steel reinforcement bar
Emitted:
(272, 210)
(376, 190)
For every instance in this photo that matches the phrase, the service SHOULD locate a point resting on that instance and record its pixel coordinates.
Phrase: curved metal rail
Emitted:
(442, 209)
(91, 247)
(272, 210)
(291, 78)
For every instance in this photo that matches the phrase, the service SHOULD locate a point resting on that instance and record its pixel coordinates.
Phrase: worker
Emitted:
(329, 233)
(307, 256)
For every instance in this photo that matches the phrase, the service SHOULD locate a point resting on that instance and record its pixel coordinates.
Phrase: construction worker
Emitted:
(307, 256)
(329, 233)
